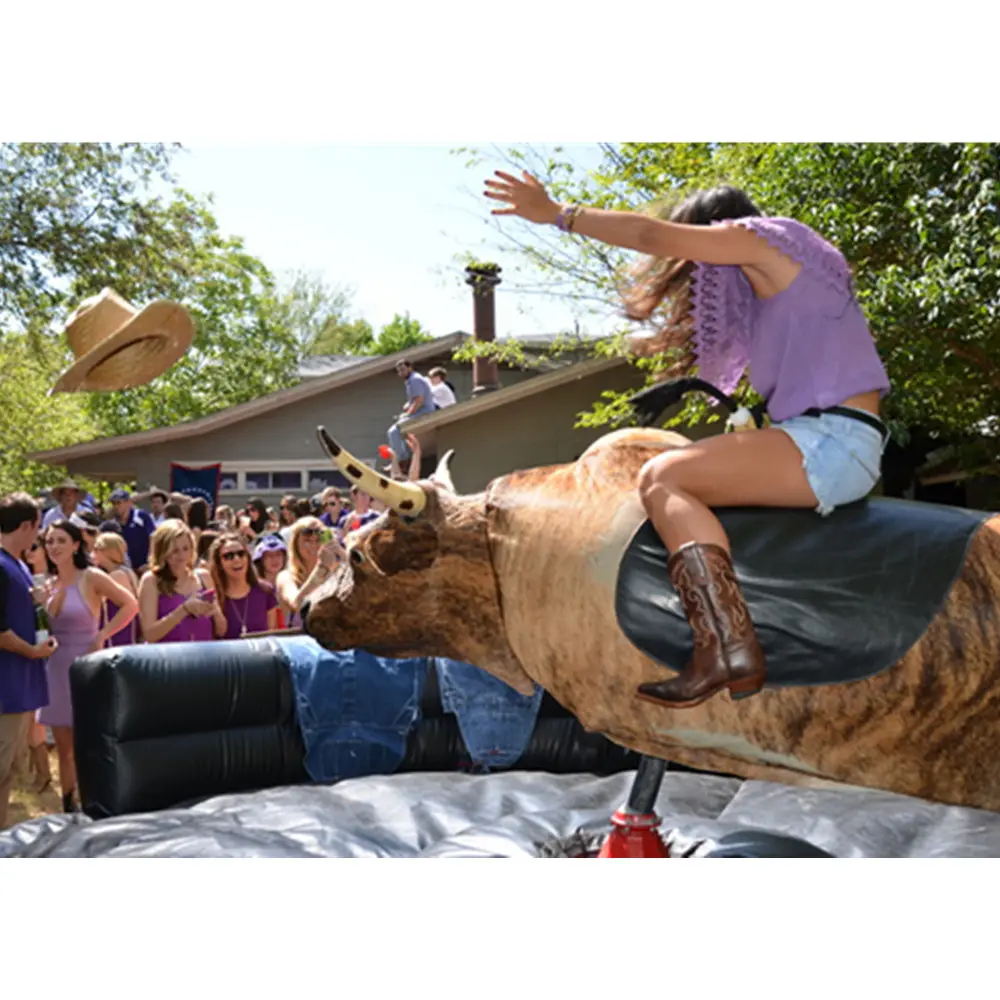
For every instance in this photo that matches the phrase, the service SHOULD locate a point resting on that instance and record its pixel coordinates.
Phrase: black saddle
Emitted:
(834, 599)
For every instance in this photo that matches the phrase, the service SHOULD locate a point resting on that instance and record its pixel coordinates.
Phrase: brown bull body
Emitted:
(521, 582)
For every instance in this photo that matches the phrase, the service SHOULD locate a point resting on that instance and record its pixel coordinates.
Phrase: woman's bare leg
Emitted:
(67, 761)
(761, 468)
(678, 489)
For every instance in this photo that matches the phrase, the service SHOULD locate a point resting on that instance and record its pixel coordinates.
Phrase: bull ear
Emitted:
(442, 474)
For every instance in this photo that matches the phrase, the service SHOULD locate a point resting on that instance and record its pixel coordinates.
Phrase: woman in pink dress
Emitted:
(175, 600)
(73, 606)
(244, 604)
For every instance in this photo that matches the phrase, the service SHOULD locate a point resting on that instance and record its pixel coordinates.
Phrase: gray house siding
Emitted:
(281, 442)
(535, 432)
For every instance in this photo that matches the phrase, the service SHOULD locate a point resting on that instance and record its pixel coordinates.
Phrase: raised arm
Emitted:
(633, 231)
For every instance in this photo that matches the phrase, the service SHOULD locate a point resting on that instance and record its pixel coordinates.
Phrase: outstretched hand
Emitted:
(525, 198)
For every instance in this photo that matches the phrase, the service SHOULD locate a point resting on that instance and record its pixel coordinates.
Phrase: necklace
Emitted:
(242, 616)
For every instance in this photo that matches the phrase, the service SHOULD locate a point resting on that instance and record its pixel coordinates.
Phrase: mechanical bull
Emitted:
(881, 623)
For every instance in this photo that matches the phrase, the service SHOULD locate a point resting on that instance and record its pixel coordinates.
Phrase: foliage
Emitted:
(66, 209)
(920, 224)
(31, 422)
(346, 337)
(317, 316)
(75, 218)
(400, 333)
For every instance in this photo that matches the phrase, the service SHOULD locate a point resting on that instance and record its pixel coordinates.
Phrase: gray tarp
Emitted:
(512, 814)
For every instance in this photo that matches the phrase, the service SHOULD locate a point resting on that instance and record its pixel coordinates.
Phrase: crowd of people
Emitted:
(76, 578)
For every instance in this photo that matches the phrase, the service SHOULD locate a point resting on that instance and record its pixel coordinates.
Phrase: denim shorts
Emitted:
(842, 457)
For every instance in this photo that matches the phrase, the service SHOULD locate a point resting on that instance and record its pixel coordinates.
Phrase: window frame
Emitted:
(240, 470)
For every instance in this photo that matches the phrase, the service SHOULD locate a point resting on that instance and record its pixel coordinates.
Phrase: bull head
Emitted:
(419, 580)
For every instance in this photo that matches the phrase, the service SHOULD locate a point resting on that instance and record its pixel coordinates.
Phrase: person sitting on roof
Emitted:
(419, 400)
(441, 389)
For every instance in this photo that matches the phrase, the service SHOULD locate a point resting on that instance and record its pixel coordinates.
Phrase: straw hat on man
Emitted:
(118, 346)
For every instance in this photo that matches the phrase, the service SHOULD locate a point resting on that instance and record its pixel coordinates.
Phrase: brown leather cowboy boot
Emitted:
(726, 650)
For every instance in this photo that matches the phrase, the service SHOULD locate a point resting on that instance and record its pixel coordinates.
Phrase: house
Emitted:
(268, 446)
(507, 418)
(523, 425)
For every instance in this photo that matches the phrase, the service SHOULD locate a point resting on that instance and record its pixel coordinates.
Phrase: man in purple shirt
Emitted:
(23, 686)
(137, 525)
(419, 400)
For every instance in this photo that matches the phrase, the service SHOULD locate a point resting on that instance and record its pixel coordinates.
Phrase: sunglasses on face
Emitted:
(310, 532)
(233, 554)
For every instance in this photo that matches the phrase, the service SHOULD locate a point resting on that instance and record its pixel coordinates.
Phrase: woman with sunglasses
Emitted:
(242, 602)
(310, 562)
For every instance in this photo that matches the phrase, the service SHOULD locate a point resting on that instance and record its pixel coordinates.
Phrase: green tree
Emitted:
(346, 337)
(29, 421)
(400, 333)
(317, 314)
(78, 217)
(920, 223)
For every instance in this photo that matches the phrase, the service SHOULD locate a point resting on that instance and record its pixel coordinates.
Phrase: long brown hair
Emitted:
(666, 281)
(160, 544)
(296, 564)
(215, 564)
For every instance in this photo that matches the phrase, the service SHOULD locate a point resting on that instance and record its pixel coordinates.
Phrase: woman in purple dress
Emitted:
(111, 555)
(244, 604)
(175, 599)
(73, 607)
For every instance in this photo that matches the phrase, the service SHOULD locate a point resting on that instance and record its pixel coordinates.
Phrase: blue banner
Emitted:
(202, 482)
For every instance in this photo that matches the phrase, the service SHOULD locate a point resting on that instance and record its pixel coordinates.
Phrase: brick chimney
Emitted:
(483, 279)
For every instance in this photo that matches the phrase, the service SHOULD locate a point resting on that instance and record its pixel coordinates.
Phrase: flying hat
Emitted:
(118, 346)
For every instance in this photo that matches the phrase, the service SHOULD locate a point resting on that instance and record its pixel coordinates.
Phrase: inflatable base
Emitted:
(511, 815)
(160, 726)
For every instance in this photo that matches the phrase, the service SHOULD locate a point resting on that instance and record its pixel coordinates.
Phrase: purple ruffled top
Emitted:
(807, 346)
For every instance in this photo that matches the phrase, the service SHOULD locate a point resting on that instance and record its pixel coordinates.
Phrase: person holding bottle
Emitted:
(23, 683)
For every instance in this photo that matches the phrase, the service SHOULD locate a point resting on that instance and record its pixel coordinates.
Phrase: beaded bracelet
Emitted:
(568, 215)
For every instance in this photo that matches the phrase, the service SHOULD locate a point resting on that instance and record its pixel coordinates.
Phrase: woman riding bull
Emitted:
(771, 294)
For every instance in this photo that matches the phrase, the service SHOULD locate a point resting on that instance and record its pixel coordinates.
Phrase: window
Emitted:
(281, 476)
(286, 480)
(320, 479)
(257, 482)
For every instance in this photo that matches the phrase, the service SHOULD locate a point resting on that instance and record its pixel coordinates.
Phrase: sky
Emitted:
(386, 220)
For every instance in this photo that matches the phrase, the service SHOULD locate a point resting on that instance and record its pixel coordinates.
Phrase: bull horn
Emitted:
(442, 474)
(403, 498)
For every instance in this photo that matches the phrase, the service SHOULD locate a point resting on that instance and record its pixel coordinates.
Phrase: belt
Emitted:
(846, 411)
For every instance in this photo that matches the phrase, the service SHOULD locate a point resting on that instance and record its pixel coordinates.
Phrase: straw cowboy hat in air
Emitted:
(118, 346)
